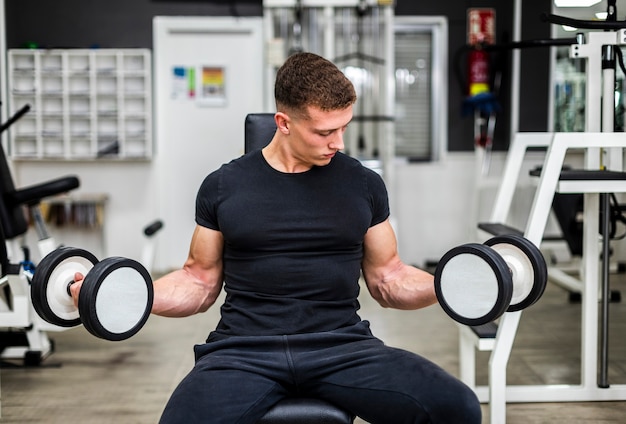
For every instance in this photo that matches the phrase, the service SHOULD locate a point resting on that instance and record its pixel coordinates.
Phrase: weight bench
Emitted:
(259, 130)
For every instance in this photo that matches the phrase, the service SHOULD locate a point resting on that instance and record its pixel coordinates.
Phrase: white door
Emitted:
(208, 76)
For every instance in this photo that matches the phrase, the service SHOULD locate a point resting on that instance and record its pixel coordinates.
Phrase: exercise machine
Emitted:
(602, 174)
(22, 335)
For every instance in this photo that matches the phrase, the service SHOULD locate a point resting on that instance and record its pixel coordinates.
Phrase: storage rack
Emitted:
(84, 103)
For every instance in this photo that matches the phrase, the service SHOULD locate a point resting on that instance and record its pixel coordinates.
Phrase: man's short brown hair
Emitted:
(306, 79)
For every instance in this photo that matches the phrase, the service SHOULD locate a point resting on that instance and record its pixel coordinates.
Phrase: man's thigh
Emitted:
(227, 386)
(386, 385)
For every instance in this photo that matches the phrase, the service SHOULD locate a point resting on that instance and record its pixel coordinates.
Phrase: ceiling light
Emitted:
(575, 3)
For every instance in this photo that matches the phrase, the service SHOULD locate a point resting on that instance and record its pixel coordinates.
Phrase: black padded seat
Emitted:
(499, 229)
(259, 130)
(305, 411)
(486, 331)
(588, 174)
(568, 205)
(585, 174)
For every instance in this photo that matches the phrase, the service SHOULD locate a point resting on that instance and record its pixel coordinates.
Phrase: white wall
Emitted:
(440, 203)
(196, 134)
(130, 204)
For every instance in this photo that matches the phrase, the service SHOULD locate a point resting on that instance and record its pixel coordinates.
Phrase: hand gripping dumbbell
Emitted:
(476, 283)
(115, 299)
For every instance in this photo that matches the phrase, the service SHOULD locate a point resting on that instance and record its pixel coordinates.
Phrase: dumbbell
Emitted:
(476, 283)
(115, 299)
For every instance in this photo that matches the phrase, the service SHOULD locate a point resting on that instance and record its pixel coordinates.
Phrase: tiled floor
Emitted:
(88, 380)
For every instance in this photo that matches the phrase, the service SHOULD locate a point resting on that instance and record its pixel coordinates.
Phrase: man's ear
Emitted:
(282, 122)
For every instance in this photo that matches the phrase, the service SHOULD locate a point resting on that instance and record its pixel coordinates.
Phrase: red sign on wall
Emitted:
(481, 26)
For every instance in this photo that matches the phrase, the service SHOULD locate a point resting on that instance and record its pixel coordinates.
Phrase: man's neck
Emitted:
(281, 159)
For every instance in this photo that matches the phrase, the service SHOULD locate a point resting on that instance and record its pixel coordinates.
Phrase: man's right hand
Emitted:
(75, 287)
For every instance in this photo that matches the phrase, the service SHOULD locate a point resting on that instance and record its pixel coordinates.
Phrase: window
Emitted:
(421, 89)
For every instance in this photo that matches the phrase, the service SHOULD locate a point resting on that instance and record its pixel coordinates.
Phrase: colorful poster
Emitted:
(183, 82)
(212, 86)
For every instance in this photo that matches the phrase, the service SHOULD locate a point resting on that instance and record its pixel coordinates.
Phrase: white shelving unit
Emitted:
(83, 103)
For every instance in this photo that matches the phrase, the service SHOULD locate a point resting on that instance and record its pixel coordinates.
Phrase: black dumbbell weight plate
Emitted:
(116, 298)
(473, 284)
(527, 265)
(49, 285)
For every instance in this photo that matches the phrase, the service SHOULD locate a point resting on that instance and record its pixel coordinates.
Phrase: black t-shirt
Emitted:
(293, 242)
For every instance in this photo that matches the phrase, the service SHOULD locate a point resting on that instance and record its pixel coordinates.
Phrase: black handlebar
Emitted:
(583, 24)
(15, 117)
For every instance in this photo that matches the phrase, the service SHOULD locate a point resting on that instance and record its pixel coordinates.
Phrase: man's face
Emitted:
(315, 140)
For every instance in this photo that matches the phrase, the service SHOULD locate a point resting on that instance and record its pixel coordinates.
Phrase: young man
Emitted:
(288, 230)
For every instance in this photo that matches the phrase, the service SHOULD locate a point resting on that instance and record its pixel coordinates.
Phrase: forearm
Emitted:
(403, 287)
(181, 294)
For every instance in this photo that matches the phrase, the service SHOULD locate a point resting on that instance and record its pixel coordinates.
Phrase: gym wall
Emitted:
(89, 23)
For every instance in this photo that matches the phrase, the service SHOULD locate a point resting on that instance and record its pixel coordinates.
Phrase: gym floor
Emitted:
(88, 380)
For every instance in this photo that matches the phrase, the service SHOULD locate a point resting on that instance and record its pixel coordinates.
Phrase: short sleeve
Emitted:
(207, 201)
(378, 197)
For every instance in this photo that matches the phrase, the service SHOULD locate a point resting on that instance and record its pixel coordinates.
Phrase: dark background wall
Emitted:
(534, 68)
(124, 23)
